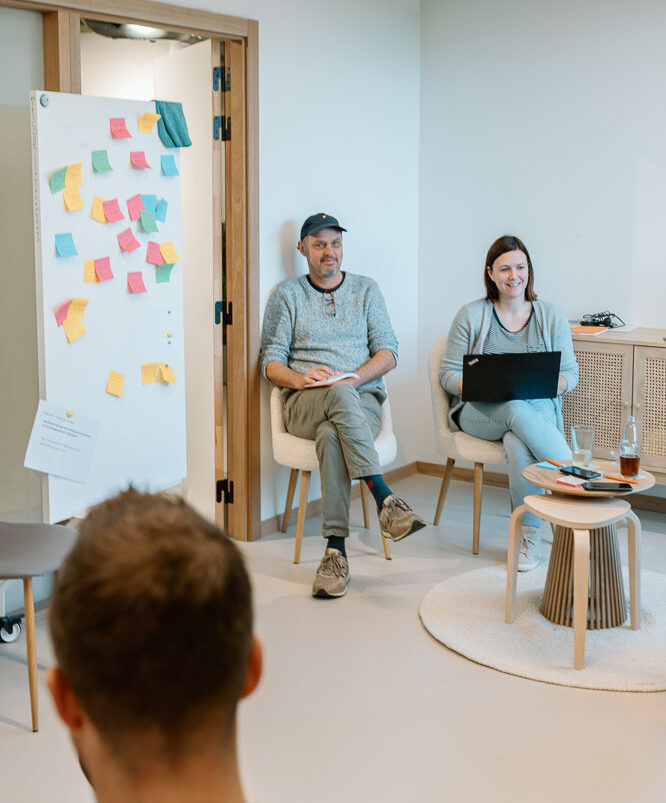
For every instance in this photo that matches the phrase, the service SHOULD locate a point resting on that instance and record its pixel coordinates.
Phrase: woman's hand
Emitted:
(562, 385)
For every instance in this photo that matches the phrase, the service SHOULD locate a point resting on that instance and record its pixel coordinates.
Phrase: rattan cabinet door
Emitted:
(650, 404)
(603, 395)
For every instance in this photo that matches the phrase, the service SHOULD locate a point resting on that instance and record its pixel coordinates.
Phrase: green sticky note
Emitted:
(148, 221)
(57, 180)
(100, 162)
(163, 272)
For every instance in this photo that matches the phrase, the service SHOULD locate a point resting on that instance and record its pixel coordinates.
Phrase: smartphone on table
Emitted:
(584, 473)
(607, 486)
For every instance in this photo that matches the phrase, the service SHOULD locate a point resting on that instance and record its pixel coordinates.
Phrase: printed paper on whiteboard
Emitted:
(61, 445)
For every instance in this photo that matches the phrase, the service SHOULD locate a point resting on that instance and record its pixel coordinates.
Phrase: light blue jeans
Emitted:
(528, 430)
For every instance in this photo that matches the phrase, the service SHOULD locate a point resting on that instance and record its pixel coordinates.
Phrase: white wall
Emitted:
(338, 107)
(547, 121)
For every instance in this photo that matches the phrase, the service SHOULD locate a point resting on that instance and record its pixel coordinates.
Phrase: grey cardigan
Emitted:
(468, 335)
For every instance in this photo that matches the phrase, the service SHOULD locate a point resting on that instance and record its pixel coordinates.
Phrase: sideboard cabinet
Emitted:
(621, 373)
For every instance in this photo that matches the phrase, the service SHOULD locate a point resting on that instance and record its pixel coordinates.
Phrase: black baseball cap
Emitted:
(318, 222)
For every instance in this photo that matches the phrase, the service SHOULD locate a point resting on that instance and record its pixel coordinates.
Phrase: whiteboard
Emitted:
(142, 439)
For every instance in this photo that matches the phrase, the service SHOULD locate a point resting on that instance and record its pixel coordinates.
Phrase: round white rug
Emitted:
(466, 613)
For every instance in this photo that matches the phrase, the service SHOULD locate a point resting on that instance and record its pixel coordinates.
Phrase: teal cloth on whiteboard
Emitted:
(172, 126)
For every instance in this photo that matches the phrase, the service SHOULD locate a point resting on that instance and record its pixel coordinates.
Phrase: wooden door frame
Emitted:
(62, 73)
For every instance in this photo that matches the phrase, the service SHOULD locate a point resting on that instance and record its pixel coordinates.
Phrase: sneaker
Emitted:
(529, 553)
(332, 575)
(397, 519)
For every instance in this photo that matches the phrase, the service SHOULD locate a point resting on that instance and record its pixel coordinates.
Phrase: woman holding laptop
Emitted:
(510, 319)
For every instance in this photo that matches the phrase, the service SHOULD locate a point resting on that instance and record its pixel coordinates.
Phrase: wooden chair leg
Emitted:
(512, 561)
(385, 544)
(31, 646)
(581, 573)
(478, 491)
(364, 504)
(302, 508)
(293, 479)
(634, 538)
(450, 463)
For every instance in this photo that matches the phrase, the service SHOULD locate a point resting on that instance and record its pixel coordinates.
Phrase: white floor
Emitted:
(359, 703)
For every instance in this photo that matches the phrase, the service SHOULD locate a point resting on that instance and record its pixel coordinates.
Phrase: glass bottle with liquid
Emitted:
(630, 449)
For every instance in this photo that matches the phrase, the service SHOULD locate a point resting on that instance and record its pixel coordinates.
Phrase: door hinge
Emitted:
(224, 312)
(217, 76)
(222, 128)
(225, 489)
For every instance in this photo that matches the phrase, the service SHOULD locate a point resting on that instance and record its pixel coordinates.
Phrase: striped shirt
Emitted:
(501, 340)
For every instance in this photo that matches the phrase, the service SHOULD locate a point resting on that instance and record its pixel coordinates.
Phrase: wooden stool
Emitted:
(598, 596)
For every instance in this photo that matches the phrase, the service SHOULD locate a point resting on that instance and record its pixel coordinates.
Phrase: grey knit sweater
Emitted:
(300, 334)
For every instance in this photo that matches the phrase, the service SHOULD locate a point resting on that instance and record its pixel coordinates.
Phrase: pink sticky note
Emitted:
(112, 211)
(135, 206)
(103, 269)
(135, 282)
(118, 128)
(138, 159)
(154, 255)
(127, 241)
(61, 312)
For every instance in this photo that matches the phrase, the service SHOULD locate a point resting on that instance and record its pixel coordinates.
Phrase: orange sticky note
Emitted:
(112, 211)
(138, 159)
(127, 241)
(149, 372)
(89, 274)
(114, 384)
(118, 128)
(97, 211)
(166, 374)
(135, 282)
(73, 175)
(72, 198)
(74, 328)
(169, 253)
(76, 309)
(147, 121)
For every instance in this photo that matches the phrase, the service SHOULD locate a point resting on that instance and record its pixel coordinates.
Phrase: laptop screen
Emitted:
(504, 377)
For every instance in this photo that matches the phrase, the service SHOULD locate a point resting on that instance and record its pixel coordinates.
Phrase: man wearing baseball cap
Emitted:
(317, 327)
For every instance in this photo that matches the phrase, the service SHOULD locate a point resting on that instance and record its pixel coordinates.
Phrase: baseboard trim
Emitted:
(654, 504)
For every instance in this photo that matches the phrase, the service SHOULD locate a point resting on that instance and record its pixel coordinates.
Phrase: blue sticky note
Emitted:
(65, 245)
(169, 165)
(547, 465)
(149, 202)
(161, 210)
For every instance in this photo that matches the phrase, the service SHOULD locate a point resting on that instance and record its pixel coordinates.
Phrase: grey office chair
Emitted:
(27, 551)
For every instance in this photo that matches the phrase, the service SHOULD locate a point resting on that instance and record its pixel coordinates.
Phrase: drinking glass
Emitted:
(630, 459)
(582, 442)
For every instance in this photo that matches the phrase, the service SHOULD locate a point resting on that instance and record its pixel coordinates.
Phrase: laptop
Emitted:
(503, 377)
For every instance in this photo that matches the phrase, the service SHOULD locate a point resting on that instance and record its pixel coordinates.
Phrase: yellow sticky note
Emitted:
(77, 308)
(73, 175)
(89, 274)
(149, 372)
(147, 121)
(169, 253)
(97, 211)
(72, 198)
(166, 374)
(74, 328)
(114, 385)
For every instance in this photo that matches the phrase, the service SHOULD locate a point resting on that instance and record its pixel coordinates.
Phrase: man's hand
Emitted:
(282, 375)
(317, 374)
